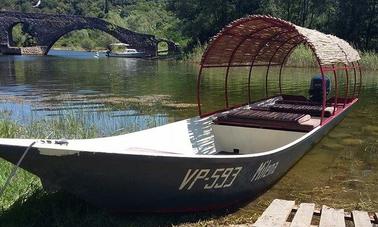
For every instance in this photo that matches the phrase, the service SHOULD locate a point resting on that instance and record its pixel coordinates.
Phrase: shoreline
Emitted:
(300, 58)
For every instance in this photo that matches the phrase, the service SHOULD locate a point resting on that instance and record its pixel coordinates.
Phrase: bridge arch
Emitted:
(86, 34)
(172, 47)
(147, 43)
(162, 47)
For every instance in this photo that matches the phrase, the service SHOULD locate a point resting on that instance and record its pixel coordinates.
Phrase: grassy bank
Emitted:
(25, 184)
(301, 57)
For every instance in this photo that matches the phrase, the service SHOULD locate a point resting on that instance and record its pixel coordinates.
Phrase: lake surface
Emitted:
(122, 95)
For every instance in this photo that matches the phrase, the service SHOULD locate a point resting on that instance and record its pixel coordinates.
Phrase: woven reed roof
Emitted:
(264, 39)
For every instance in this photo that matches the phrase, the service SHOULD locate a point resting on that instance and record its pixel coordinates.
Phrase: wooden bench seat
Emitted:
(313, 110)
(292, 104)
(267, 119)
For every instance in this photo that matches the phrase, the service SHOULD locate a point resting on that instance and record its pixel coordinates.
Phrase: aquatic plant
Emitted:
(302, 56)
(195, 55)
(25, 184)
(369, 60)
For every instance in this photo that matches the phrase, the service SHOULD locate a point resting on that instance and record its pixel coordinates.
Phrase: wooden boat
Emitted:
(125, 53)
(216, 159)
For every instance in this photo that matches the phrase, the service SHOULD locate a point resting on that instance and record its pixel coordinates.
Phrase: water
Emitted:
(111, 93)
(114, 94)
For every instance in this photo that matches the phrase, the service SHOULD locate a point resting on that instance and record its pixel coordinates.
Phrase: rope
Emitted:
(13, 173)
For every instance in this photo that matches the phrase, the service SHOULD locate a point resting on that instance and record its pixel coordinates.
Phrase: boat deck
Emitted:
(286, 213)
(187, 137)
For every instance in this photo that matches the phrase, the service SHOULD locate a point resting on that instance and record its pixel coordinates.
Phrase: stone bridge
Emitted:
(48, 28)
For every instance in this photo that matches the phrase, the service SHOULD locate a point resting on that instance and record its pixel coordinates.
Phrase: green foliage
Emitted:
(86, 40)
(152, 17)
(195, 21)
(87, 44)
(203, 19)
(357, 22)
(22, 38)
(353, 20)
(115, 18)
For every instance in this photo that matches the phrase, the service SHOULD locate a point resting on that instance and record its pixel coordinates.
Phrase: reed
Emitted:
(369, 60)
(67, 127)
(195, 55)
(301, 57)
(62, 127)
(9, 129)
(24, 184)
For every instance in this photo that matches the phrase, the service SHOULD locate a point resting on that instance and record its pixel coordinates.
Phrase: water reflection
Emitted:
(110, 93)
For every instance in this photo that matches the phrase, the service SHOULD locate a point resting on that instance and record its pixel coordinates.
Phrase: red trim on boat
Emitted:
(336, 90)
(347, 86)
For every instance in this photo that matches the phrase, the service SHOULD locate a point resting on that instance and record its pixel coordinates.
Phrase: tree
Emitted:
(195, 21)
(356, 21)
(202, 19)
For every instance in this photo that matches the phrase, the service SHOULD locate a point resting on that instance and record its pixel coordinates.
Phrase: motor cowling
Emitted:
(316, 88)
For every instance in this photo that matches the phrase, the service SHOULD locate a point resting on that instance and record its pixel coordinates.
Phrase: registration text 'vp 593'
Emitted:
(211, 178)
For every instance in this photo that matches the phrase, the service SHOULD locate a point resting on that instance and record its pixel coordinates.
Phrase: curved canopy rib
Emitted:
(261, 39)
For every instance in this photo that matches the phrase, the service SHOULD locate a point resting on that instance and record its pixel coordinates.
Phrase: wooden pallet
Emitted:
(286, 213)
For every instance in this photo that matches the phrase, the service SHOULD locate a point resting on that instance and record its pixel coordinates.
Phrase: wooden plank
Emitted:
(348, 216)
(276, 214)
(361, 219)
(332, 217)
(303, 216)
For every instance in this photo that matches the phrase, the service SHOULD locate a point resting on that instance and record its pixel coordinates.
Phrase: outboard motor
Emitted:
(316, 91)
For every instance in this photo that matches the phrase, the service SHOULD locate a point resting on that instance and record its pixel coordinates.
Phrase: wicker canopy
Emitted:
(260, 39)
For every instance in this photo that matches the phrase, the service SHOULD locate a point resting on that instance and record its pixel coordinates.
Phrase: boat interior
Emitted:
(269, 124)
